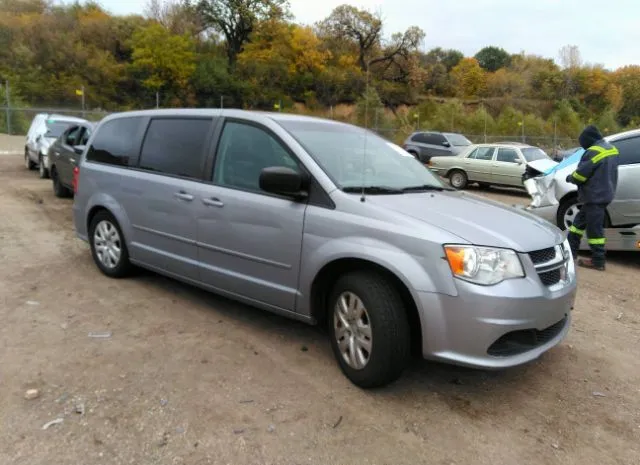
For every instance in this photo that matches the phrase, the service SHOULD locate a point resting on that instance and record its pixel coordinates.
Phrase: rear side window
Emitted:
(116, 142)
(482, 153)
(71, 136)
(629, 151)
(176, 146)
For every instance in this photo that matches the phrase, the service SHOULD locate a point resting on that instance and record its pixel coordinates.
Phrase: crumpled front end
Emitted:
(542, 191)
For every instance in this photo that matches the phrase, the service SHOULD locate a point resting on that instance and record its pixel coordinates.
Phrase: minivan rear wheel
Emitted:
(108, 246)
(458, 179)
(369, 329)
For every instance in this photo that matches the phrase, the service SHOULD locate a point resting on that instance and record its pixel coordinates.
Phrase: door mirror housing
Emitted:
(518, 161)
(79, 149)
(446, 144)
(282, 180)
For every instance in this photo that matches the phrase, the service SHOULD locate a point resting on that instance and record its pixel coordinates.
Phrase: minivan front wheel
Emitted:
(108, 247)
(28, 164)
(42, 167)
(369, 329)
(458, 179)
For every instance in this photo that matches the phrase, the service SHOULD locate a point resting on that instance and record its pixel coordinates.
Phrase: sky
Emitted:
(607, 32)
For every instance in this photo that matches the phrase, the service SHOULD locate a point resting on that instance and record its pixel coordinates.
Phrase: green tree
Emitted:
(493, 58)
(236, 20)
(162, 60)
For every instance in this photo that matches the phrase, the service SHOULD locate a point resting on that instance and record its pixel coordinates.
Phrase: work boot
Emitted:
(588, 263)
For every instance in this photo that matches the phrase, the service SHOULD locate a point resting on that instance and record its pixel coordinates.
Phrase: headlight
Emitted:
(483, 265)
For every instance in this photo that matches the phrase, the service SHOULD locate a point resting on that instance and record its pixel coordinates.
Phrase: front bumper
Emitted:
(494, 327)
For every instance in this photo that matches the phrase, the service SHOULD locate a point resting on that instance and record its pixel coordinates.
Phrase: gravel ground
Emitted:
(186, 377)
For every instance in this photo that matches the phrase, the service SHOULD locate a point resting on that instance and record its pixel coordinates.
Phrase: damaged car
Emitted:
(556, 200)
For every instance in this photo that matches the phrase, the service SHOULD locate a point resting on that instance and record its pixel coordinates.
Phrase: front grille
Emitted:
(549, 278)
(519, 342)
(542, 256)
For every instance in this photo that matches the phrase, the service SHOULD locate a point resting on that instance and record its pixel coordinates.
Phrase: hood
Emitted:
(542, 184)
(589, 137)
(542, 165)
(477, 220)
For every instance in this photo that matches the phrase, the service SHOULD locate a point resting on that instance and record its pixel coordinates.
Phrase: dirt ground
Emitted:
(189, 378)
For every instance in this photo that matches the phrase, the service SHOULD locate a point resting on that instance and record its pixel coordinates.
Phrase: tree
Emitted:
(178, 16)
(470, 79)
(364, 30)
(570, 57)
(162, 60)
(628, 78)
(448, 58)
(493, 58)
(237, 19)
(506, 83)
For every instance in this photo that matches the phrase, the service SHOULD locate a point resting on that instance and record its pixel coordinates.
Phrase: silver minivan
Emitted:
(329, 224)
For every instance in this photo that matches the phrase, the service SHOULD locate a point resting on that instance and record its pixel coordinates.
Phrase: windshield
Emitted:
(458, 140)
(339, 149)
(56, 128)
(533, 154)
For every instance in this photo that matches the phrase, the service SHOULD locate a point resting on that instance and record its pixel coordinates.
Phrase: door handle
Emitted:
(183, 196)
(213, 202)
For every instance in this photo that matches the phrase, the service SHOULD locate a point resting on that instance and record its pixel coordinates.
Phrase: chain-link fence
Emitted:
(16, 121)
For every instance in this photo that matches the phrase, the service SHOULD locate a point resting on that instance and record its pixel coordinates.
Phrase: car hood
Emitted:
(476, 220)
(547, 184)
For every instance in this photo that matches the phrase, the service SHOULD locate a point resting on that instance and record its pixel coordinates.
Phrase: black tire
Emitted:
(28, 163)
(566, 204)
(43, 172)
(388, 326)
(458, 179)
(59, 190)
(123, 267)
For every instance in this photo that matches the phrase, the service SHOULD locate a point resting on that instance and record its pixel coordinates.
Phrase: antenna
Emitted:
(366, 130)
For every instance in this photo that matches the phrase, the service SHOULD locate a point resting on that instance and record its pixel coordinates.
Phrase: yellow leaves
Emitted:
(470, 78)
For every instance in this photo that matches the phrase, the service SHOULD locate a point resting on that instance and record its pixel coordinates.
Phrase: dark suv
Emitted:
(424, 145)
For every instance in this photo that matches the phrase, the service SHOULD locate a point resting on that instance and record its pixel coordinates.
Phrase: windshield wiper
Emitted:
(372, 190)
(426, 188)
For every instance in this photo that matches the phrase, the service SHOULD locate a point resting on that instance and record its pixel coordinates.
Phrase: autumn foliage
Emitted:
(252, 54)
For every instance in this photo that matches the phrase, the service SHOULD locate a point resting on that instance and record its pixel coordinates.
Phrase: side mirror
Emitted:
(446, 144)
(282, 180)
(79, 149)
(518, 161)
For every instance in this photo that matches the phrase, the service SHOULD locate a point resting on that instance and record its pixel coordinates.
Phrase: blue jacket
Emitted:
(597, 172)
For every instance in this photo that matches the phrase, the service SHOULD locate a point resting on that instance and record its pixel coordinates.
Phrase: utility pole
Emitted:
(157, 99)
(221, 102)
(83, 101)
(523, 139)
(484, 110)
(8, 107)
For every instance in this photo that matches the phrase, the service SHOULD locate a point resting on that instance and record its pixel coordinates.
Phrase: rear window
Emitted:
(458, 140)
(117, 142)
(533, 154)
(57, 128)
(176, 146)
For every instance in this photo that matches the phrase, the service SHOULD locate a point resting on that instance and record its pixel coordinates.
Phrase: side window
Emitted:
(421, 137)
(71, 135)
(507, 155)
(176, 146)
(243, 152)
(116, 143)
(629, 151)
(437, 139)
(482, 153)
(85, 137)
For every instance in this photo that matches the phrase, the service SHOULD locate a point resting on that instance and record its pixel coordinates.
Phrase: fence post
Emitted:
(484, 110)
(7, 92)
(221, 102)
(157, 99)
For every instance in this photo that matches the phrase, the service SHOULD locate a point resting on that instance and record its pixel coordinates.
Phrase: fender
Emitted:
(113, 206)
(408, 268)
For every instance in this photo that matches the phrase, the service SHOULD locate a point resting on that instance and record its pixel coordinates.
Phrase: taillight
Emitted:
(76, 175)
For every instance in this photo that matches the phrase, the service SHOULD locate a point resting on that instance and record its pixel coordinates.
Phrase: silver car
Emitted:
(291, 215)
(490, 164)
(556, 200)
(43, 132)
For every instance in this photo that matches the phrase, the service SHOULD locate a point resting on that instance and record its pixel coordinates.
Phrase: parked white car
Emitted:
(556, 200)
(45, 129)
